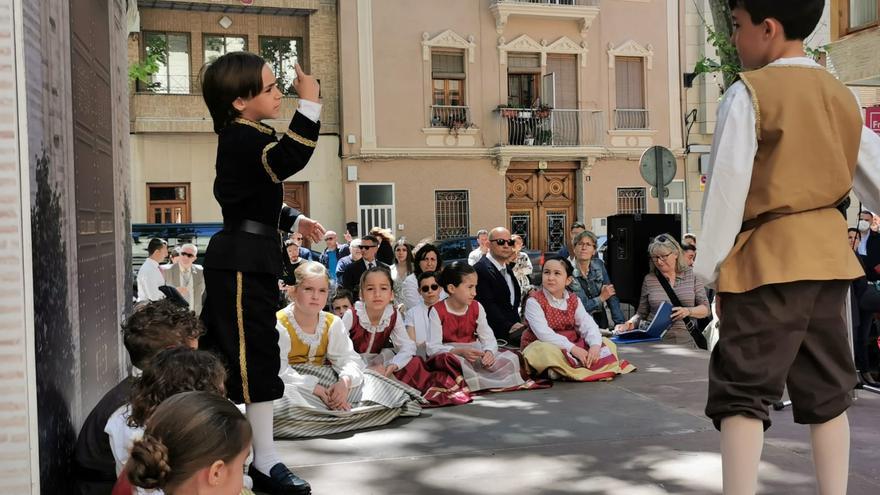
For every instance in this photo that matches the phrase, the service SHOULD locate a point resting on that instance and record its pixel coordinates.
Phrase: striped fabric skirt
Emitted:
(378, 401)
(559, 365)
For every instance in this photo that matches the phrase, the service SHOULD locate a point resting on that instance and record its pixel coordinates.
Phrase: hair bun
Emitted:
(148, 465)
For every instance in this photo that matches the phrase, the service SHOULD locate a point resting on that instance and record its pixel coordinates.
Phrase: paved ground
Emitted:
(642, 434)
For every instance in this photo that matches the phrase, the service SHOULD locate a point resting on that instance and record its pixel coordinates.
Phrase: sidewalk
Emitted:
(642, 434)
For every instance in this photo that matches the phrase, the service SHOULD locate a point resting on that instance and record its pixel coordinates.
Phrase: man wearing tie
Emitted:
(497, 288)
(351, 277)
(188, 277)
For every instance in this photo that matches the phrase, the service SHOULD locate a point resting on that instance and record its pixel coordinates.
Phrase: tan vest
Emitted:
(809, 130)
(299, 350)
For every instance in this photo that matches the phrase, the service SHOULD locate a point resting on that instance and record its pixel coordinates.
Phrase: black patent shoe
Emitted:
(279, 482)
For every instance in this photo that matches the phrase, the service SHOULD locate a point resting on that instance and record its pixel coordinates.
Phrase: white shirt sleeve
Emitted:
(348, 320)
(310, 109)
(538, 324)
(866, 182)
(340, 353)
(733, 156)
(435, 336)
(149, 279)
(404, 347)
(485, 334)
(410, 291)
(122, 436)
(587, 326)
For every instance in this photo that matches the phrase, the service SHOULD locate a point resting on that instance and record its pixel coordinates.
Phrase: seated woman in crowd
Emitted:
(667, 264)
(562, 339)
(402, 267)
(591, 283)
(325, 387)
(459, 327)
(426, 259)
(194, 442)
(377, 330)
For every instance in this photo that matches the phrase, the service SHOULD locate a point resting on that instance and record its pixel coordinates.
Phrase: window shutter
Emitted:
(447, 65)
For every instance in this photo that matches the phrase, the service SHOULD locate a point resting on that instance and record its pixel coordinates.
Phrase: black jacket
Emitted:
(351, 277)
(872, 256)
(94, 465)
(251, 163)
(494, 294)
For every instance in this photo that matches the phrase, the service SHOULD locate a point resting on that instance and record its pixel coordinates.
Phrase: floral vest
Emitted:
(561, 321)
(460, 329)
(300, 346)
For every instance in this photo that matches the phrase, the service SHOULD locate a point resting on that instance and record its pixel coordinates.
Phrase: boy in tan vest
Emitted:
(789, 146)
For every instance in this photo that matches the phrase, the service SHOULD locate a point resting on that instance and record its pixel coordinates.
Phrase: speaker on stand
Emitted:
(626, 257)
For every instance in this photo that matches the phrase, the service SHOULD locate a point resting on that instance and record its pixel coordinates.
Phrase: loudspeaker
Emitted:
(627, 254)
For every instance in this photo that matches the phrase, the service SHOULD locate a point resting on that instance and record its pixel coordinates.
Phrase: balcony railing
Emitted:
(556, 127)
(576, 3)
(451, 116)
(173, 85)
(630, 118)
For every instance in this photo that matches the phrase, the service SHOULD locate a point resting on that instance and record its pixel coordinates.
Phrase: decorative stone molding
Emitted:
(588, 164)
(631, 49)
(526, 44)
(502, 163)
(448, 39)
(583, 14)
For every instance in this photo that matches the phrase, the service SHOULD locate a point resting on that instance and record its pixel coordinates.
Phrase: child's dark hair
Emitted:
(426, 275)
(377, 269)
(342, 294)
(569, 270)
(422, 253)
(454, 273)
(799, 18)
(232, 76)
(187, 432)
(158, 325)
(173, 371)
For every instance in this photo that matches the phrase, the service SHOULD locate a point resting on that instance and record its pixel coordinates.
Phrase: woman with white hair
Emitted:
(667, 264)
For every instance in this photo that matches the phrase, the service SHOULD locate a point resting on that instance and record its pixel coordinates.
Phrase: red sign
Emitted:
(247, 2)
(872, 118)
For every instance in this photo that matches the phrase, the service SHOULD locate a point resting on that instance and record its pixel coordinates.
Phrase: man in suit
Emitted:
(188, 277)
(497, 288)
(351, 276)
(304, 253)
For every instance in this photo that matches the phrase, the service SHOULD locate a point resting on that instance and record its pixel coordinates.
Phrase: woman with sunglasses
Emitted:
(668, 262)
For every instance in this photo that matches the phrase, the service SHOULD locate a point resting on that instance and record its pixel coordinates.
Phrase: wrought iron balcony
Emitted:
(451, 116)
(571, 3)
(552, 127)
(630, 118)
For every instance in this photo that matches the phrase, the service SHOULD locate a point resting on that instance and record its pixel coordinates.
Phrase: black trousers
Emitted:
(239, 315)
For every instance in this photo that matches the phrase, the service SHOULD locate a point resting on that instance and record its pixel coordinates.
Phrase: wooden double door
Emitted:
(541, 205)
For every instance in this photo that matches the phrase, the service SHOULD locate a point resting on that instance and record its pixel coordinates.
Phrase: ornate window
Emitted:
(631, 200)
(628, 64)
(452, 213)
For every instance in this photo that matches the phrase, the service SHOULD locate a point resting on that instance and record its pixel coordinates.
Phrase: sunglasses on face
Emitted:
(188, 255)
(367, 247)
(502, 242)
(427, 288)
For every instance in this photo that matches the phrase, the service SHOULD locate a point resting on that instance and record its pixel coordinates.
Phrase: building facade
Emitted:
(852, 54)
(463, 114)
(173, 144)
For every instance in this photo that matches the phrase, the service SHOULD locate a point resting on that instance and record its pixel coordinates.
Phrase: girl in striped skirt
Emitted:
(326, 387)
(563, 341)
(380, 336)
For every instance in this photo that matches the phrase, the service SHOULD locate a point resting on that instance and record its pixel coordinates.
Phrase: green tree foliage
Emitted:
(155, 56)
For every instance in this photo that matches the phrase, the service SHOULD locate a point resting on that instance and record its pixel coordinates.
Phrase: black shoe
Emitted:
(865, 378)
(279, 482)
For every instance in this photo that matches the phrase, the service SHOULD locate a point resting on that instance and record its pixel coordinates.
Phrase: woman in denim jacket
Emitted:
(591, 282)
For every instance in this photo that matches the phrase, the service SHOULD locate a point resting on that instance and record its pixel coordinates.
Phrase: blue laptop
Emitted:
(655, 331)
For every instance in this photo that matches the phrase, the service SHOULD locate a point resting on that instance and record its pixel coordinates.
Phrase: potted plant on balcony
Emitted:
(456, 124)
(507, 111)
(542, 111)
(544, 137)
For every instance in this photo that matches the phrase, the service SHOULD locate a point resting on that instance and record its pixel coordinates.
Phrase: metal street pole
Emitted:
(658, 164)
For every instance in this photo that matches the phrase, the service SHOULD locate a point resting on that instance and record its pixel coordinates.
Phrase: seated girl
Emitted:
(377, 330)
(326, 389)
(195, 442)
(563, 340)
(459, 327)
